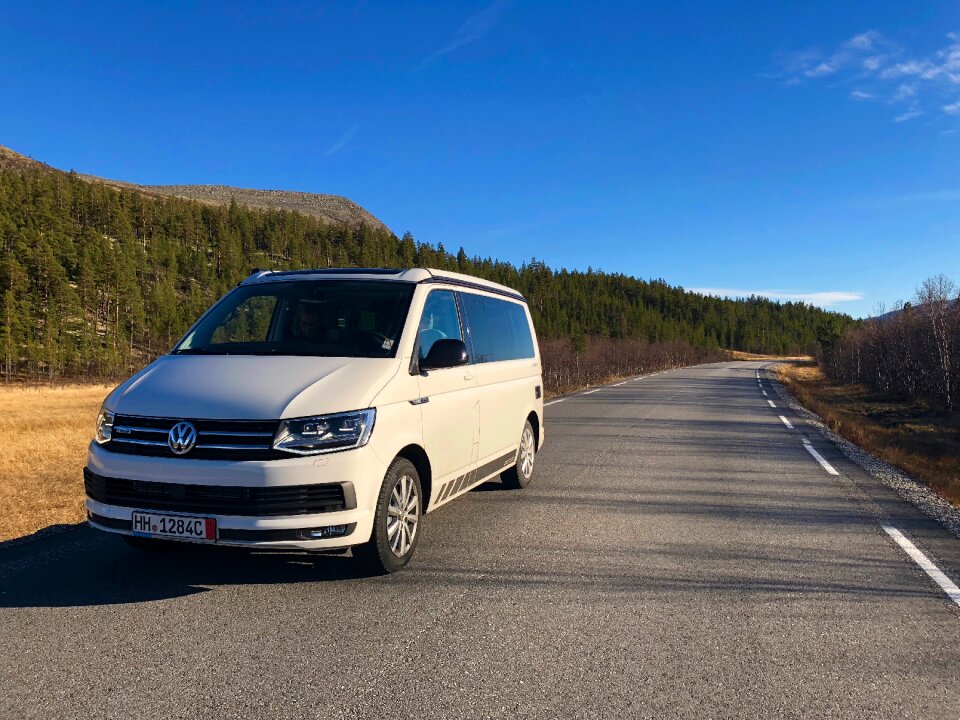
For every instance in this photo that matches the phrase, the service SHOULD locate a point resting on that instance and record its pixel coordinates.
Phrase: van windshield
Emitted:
(328, 318)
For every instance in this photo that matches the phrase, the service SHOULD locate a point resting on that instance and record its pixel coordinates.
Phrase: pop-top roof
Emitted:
(413, 275)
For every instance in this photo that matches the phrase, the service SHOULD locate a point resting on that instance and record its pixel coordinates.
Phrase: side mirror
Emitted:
(445, 354)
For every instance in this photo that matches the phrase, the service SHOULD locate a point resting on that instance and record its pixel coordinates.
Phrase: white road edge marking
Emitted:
(590, 392)
(786, 422)
(819, 458)
(554, 402)
(935, 573)
(771, 402)
(619, 384)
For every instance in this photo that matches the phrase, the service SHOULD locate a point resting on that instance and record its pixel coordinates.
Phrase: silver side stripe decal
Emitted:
(452, 487)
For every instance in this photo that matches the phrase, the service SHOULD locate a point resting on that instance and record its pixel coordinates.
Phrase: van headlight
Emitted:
(104, 426)
(325, 433)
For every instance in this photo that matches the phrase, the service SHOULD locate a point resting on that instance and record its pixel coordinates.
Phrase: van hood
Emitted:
(251, 387)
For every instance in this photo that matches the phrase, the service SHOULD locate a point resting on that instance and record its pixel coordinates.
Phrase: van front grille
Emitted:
(216, 439)
(216, 499)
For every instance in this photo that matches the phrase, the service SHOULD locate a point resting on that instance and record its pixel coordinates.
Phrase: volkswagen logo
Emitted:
(182, 437)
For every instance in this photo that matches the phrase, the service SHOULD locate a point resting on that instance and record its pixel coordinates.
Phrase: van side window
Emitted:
(499, 328)
(439, 321)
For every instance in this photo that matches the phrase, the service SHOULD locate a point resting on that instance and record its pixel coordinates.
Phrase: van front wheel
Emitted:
(396, 521)
(521, 474)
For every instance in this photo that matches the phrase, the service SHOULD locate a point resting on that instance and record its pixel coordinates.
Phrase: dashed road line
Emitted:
(786, 422)
(553, 402)
(819, 458)
(764, 392)
(935, 573)
(771, 403)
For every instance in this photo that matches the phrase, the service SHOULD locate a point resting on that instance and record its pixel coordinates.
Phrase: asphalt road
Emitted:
(680, 554)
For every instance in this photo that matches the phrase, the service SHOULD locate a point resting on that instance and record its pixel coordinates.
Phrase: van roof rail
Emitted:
(340, 271)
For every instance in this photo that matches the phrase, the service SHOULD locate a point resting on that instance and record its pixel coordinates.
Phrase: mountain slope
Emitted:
(10, 160)
(331, 209)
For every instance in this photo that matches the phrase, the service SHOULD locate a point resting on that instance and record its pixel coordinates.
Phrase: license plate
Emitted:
(177, 526)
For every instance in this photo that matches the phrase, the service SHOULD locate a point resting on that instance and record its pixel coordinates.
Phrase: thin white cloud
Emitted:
(341, 141)
(474, 28)
(821, 69)
(860, 50)
(863, 41)
(884, 71)
(908, 115)
(825, 298)
(904, 91)
(910, 68)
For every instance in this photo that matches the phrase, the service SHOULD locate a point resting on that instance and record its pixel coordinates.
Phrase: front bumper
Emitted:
(104, 517)
(359, 469)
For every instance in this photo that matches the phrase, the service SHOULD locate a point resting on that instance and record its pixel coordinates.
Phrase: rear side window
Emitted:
(499, 329)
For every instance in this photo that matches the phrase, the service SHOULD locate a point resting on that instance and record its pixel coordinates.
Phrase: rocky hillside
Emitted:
(332, 209)
(10, 160)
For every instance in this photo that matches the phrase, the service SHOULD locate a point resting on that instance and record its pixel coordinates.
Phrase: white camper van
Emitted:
(321, 410)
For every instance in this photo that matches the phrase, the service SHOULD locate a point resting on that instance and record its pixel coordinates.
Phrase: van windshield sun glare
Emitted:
(324, 318)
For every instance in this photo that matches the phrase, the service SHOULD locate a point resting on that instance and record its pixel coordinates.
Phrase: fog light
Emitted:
(328, 532)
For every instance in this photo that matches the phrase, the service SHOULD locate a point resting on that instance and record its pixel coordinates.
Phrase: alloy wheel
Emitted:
(527, 453)
(403, 515)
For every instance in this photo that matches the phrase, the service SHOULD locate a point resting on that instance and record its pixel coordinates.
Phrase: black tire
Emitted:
(384, 553)
(153, 545)
(521, 474)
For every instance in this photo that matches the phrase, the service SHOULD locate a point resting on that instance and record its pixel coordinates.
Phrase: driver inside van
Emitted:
(308, 326)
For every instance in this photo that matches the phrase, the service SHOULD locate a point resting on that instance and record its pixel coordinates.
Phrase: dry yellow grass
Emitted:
(905, 434)
(44, 432)
(740, 355)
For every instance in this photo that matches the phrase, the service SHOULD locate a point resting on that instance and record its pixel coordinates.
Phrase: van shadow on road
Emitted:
(83, 567)
(74, 566)
(86, 569)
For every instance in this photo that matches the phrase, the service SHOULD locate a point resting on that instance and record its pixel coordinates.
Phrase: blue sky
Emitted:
(806, 149)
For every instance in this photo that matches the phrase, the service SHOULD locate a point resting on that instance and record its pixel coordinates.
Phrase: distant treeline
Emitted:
(912, 352)
(96, 281)
(567, 367)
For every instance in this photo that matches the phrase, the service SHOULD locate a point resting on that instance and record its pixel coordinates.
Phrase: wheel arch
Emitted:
(418, 456)
(534, 421)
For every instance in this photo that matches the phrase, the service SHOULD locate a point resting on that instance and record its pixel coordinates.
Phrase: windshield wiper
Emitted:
(199, 351)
